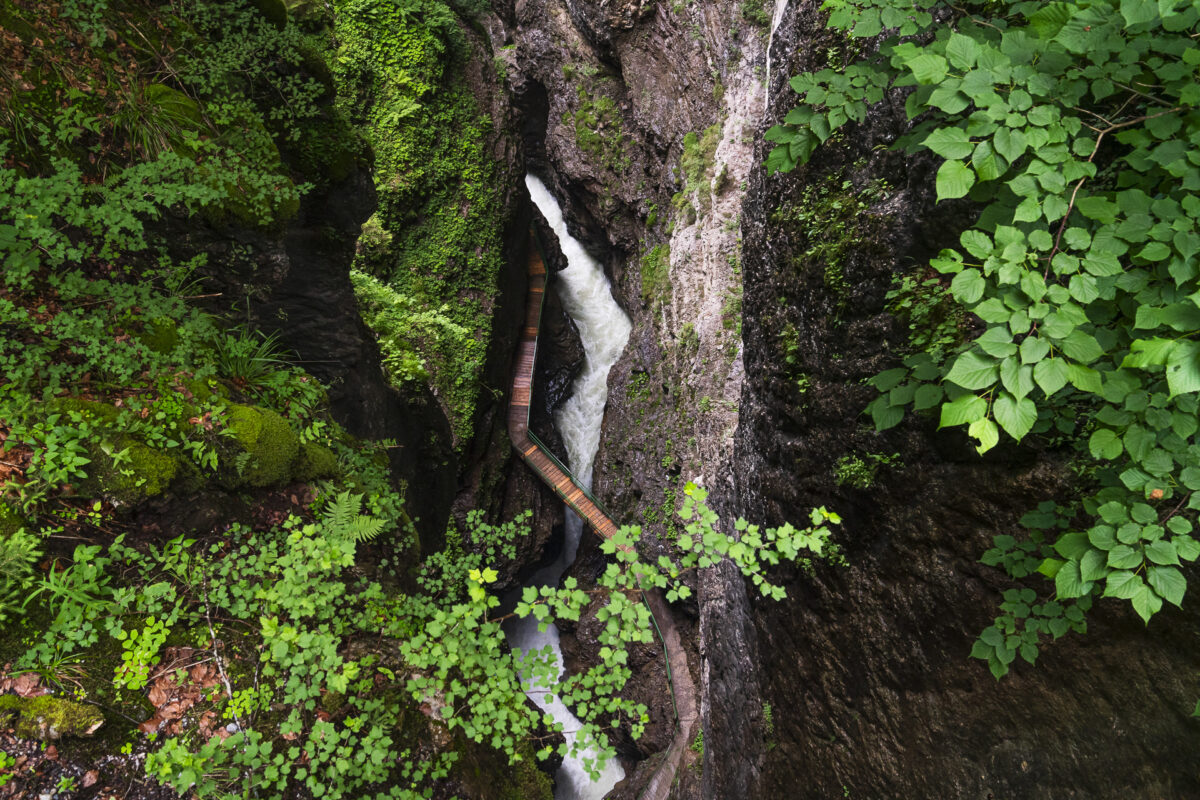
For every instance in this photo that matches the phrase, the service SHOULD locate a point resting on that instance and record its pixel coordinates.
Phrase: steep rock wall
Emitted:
(865, 668)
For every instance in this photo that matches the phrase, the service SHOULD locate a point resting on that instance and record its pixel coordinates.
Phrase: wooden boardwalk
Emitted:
(549, 469)
(532, 453)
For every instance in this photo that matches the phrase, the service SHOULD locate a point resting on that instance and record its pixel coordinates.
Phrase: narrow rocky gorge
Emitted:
(645, 104)
(257, 480)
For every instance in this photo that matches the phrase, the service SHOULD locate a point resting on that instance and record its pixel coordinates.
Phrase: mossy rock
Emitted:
(205, 390)
(269, 440)
(48, 717)
(150, 473)
(10, 520)
(275, 11)
(315, 461)
(160, 335)
(89, 409)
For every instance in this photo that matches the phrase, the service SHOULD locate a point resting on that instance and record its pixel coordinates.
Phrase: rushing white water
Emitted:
(603, 330)
(776, 18)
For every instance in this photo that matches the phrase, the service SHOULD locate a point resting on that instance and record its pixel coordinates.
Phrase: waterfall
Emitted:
(776, 18)
(603, 330)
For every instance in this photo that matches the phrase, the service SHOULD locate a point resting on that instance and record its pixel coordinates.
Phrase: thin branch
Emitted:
(1149, 97)
(1096, 149)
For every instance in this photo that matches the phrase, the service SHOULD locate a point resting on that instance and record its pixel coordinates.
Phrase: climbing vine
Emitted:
(1072, 130)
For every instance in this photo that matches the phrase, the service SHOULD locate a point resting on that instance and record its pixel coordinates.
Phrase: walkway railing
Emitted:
(550, 469)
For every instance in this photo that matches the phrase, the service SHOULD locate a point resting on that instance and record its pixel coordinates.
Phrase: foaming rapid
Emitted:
(603, 330)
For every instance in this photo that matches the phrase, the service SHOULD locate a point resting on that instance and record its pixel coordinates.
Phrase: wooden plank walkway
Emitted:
(580, 501)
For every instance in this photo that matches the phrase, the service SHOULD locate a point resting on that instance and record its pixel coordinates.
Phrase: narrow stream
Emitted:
(604, 330)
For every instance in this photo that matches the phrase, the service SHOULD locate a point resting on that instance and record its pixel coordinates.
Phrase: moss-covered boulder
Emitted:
(103, 413)
(268, 444)
(136, 473)
(10, 520)
(145, 473)
(315, 461)
(48, 717)
(160, 335)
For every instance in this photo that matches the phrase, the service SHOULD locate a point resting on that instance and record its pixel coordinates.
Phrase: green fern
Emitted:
(343, 517)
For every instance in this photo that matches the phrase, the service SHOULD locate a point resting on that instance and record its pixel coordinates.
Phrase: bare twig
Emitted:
(1096, 149)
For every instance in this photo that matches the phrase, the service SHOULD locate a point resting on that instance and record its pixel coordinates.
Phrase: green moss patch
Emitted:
(269, 445)
(315, 461)
(48, 717)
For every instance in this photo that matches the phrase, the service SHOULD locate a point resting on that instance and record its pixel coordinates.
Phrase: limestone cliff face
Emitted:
(641, 119)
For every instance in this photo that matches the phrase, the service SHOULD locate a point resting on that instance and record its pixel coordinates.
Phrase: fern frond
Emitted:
(342, 518)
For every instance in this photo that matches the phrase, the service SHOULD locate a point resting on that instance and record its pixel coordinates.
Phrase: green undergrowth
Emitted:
(698, 172)
(435, 245)
(833, 220)
(655, 267)
(596, 123)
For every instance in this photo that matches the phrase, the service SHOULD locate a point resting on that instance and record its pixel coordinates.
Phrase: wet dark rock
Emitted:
(865, 668)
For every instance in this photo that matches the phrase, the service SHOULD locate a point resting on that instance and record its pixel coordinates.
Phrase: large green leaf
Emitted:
(949, 143)
(1168, 582)
(954, 179)
(1015, 416)
(963, 410)
(1138, 12)
(1051, 374)
(1122, 584)
(1183, 368)
(928, 68)
(974, 371)
(985, 432)
(1146, 603)
(962, 51)
(1069, 583)
(1105, 444)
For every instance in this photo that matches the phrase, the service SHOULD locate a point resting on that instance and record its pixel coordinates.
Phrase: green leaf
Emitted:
(1051, 374)
(1068, 582)
(985, 432)
(962, 51)
(1085, 379)
(1162, 552)
(1183, 368)
(927, 395)
(988, 166)
(1009, 143)
(1146, 603)
(973, 371)
(1138, 12)
(1124, 557)
(1082, 347)
(1050, 567)
(967, 286)
(1092, 566)
(1015, 416)
(954, 179)
(963, 410)
(950, 143)
(1168, 582)
(928, 68)
(883, 414)
(1034, 349)
(1072, 545)
(997, 341)
(1122, 584)
(1105, 444)
(1016, 377)
(1102, 537)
